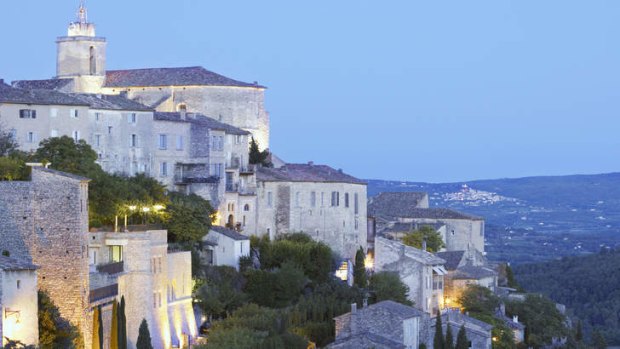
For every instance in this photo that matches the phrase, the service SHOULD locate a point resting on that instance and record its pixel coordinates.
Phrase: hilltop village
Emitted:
(191, 129)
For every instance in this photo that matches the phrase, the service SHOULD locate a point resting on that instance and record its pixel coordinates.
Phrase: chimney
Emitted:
(515, 319)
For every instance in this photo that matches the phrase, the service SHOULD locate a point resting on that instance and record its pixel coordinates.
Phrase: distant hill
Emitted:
(534, 218)
(589, 286)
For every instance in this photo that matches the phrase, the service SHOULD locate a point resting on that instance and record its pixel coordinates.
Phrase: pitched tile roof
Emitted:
(229, 233)
(470, 272)
(305, 173)
(366, 340)
(397, 310)
(9, 94)
(452, 258)
(12, 264)
(110, 102)
(61, 173)
(396, 204)
(455, 316)
(49, 84)
(201, 120)
(185, 76)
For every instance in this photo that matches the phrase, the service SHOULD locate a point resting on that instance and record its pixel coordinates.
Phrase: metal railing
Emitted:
(111, 268)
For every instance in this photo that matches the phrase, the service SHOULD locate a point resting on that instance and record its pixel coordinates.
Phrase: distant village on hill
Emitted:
(143, 208)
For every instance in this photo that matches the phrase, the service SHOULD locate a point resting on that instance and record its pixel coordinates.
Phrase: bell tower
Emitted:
(81, 54)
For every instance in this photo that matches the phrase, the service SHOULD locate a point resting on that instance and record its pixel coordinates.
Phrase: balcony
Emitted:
(111, 268)
(103, 293)
(196, 179)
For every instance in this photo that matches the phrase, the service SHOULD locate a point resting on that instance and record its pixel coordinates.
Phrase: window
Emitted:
(132, 118)
(163, 142)
(313, 199)
(246, 208)
(216, 170)
(97, 140)
(54, 133)
(346, 199)
(221, 138)
(322, 199)
(97, 116)
(116, 253)
(356, 203)
(179, 142)
(163, 169)
(238, 139)
(19, 284)
(92, 61)
(53, 112)
(76, 136)
(109, 130)
(31, 137)
(214, 142)
(335, 199)
(134, 140)
(27, 114)
(269, 199)
(297, 197)
(73, 113)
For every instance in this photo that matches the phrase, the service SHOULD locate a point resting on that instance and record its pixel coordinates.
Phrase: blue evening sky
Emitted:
(408, 90)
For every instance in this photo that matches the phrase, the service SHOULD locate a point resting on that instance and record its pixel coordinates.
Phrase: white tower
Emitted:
(81, 55)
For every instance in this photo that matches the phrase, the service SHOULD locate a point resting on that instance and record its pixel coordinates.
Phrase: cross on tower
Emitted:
(82, 14)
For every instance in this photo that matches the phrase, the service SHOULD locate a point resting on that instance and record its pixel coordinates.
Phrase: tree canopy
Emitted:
(258, 157)
(388, 286)
(416, 238)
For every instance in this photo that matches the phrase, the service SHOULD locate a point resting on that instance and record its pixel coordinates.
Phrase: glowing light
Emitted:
(146, 209)
(133, 208)
(158, 207)
(369, 261)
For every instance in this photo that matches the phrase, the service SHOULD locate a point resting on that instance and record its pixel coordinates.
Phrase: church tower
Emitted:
(81, 55)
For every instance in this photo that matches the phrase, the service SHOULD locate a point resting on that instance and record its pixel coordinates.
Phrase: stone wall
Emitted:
(45, 222)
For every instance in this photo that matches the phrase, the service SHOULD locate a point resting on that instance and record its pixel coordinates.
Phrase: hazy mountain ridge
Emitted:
(533, 218)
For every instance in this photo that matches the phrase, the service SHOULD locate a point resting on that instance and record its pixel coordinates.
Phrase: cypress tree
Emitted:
(449, 337)
(359, 270)
(96, 326)
(114, 326)
(461, 340)
(438, 341)
(144, 336)
(122, 326)
(100, 327)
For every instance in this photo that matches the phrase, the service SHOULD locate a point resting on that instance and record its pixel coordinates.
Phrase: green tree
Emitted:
(388, 286)
(122, 325)
(541, 318)
(438, 339)
(359, 270)
(114, 326)
(275, 289)
(461, 340)
(144, 336)
(598, 341)
(479, 299)
(11, 169)
(65, 154)
(258, 157)
(8, 144)
(222, 291)
(96, 343)
(54, 330)
(189, 217)
(416, 238)
(100, 328)
(579, 331)
(510, 278)
(449, 342)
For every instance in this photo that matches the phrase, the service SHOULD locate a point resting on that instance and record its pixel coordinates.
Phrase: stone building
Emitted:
(478, 332)
(323, 202)
(400, 213)
(223, 246)
(19, 320)
(384, 325)
(156, 284)
(44, 222)
(420, 270)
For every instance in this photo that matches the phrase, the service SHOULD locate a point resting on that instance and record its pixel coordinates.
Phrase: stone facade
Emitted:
(317, 200)
(386, 324)
(421, 271)
(478, 332)
(223, 246)
(18, 302)
(45, 222)
(156, 284)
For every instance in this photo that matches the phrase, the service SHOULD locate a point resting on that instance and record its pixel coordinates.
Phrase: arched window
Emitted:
(246, 207)
(93, 61)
